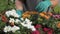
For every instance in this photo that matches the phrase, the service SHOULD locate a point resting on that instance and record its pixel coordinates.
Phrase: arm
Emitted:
(54, 2)
(19, 7)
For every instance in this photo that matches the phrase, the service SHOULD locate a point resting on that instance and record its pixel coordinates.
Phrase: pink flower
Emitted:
(56, 16)
(38, 26)
(35, 32)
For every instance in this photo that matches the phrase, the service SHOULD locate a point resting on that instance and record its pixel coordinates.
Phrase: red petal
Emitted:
(38, 26)
(4, 19)
(46, 29)
(35, 32)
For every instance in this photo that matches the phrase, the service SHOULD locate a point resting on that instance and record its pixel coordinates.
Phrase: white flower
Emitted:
(27, 23)
(15, 28)
(27, 20)
(17, 21)
(8, 13)
(11, 20)
(7, 29)
(22, 19)
(32, 28)
(12, 13)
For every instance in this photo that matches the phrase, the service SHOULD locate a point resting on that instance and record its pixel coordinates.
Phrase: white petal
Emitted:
(7, 29)
(11, 20)
(33, 28)
(22, 19)
(17, 21)
(27, 20)
(7, 13)
(15, 28)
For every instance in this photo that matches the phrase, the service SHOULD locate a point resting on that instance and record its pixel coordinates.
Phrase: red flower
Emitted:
(4, 19)
(38, 26)
(50, 32)
(35, 32)
(46, 29)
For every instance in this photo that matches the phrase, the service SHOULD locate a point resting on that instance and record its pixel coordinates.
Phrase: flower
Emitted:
(15, 28)
(4, 19)
(27, 12)
(12, 13)
(33, 12)
(27, 23)
(32, 28)
(50, 32)
(9, 28)
(35, 32)
(56, 16)
(42, 14)
(58, 25)
(11, 20)
(38, 26)
(46, 29)
(26, 15)
(47, 17)
(17, 21)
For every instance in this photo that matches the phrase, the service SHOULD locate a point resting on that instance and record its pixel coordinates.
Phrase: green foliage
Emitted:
(51, 23)
(57, 9)
(5, 5)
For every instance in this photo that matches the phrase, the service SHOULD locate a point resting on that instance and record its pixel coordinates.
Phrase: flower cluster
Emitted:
(25, 22)
(56, 16)
(12, 13)
(9, 28)
(46, 15)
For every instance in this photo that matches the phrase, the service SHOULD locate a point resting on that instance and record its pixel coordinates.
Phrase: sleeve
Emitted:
(19, 12)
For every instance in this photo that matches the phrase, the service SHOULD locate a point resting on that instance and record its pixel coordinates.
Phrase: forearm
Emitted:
(54, 2)
(19, 5)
